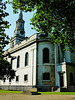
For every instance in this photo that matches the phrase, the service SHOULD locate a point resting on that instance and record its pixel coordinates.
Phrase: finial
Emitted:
(20, 15)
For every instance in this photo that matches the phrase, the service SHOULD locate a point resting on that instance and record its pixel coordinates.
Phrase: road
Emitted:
(4, 96)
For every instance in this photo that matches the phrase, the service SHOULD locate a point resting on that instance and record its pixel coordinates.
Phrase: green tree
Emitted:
(6, 71)
(4, 39)
(5, 67)
(54, 18)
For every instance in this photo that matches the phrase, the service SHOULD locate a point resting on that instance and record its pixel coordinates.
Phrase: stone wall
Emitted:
(71, 88)
(15, 88)
(70, 69)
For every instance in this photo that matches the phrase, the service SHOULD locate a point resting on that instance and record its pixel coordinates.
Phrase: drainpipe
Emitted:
(32, 66)
(37, 64)
(56, 79)
(32, 69)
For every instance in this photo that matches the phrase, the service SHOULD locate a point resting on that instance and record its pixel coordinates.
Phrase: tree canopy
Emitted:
(6, 70)
(4, 39)
(53, 17)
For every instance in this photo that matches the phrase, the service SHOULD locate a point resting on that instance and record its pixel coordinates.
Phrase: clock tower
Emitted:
(19, 33)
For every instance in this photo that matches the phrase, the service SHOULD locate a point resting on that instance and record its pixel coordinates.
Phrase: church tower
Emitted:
(19, 33)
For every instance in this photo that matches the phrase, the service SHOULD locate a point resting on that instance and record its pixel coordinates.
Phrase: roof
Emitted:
(22, 44)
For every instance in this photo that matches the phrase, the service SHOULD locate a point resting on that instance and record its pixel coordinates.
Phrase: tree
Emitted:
(6, 71)
(4, 39)
(5, 67)
(54, 18)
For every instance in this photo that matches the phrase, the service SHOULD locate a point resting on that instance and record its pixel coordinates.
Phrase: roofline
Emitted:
(25, 43)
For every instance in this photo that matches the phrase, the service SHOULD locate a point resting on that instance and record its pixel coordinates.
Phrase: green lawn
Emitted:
(58, 93)
(6, 91)
(43, 93)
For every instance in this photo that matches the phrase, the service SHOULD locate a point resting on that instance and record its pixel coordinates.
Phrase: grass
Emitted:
(43, 93)
(57, 93)
(13, 92)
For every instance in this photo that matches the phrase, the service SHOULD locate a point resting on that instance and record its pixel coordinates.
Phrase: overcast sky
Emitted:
(12, 18)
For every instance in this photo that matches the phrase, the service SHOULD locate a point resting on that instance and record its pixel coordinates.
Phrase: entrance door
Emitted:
(61, 80)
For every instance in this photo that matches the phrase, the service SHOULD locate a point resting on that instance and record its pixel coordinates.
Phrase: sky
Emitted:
(12, 18)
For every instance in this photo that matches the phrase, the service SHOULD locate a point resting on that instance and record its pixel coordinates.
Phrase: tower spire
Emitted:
(19, 33)
(20, 15)
(20, 26)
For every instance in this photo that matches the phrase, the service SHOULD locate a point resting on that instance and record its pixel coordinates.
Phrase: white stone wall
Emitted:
(22, 70)
(30, 45)
(61, 68)
(65, 74)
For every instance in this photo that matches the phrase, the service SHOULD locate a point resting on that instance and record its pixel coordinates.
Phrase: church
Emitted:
(38, 63)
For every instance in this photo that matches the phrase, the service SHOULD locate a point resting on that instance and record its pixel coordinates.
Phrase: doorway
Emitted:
(61, 80)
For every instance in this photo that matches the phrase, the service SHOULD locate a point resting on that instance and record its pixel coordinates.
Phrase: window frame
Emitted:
(9, 80)
(45, 77)
(4, 80)
(18, 61)
(11, 62)
(71, 77)
(26, 77)
(17, 78)
(26, 58)
(45, 55)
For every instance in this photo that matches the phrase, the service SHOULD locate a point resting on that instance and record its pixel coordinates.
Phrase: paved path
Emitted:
(35, 97)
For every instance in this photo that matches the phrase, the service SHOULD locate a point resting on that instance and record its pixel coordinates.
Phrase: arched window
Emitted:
(18, 61)
(26, 59)
(45, 55)
(71, 77)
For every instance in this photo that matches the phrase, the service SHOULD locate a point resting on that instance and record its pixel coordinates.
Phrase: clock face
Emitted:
(21, 32)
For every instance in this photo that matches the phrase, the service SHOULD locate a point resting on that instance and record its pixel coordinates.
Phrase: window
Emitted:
(4, 80)
(26, 59)
(18, 61)
(17, 78)
(71, 77)
(45, 55)
(46, 76)
(9, 80)
(25, 77)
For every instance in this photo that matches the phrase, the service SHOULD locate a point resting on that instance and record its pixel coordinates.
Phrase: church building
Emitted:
(38, 63)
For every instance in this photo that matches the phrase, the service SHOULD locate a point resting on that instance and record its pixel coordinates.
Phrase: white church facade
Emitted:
(38, 63)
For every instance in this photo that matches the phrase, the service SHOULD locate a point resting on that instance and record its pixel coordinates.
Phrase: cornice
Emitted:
(21, 45)
(25, 43)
